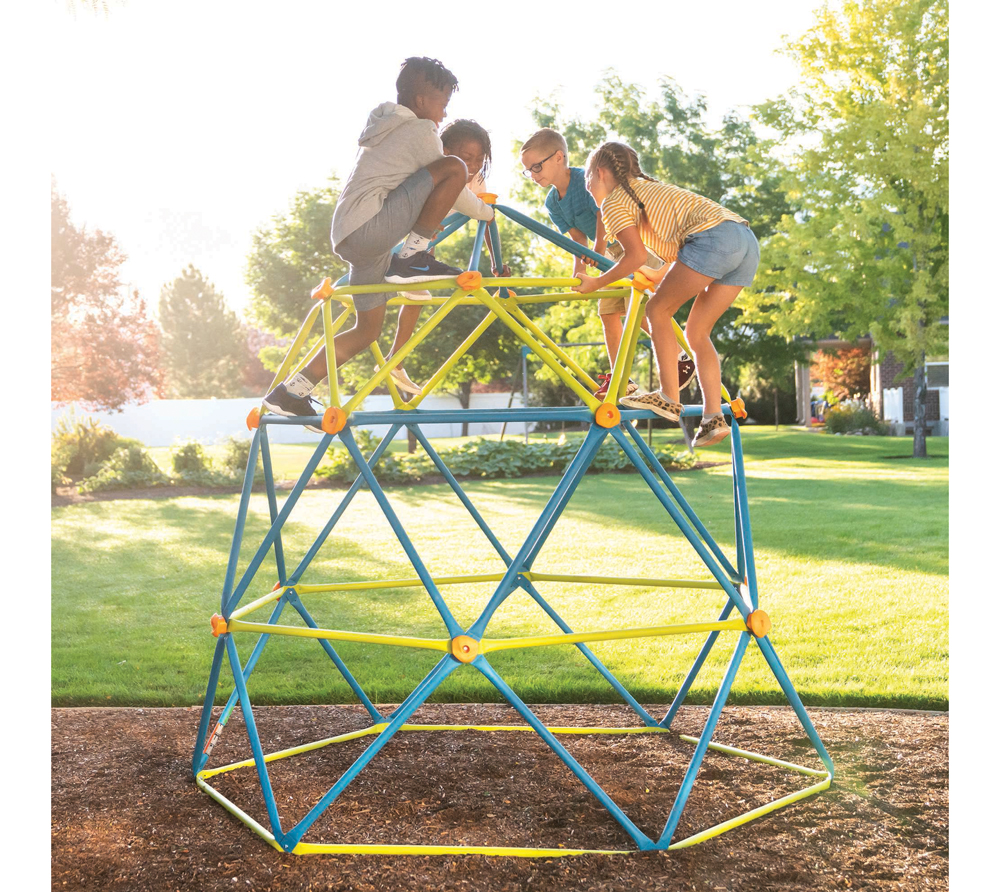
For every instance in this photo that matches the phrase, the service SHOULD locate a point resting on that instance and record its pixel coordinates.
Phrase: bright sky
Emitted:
(187, 124)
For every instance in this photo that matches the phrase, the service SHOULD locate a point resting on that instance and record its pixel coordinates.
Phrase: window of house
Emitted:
(937, 374)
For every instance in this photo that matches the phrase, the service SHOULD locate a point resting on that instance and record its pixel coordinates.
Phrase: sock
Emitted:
(414, 243)
(705, 418)
(299, 385)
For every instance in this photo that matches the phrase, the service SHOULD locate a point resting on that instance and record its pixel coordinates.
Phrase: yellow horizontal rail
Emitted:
(395, 583)
(492, 644)
(339, 635)
(535, 576)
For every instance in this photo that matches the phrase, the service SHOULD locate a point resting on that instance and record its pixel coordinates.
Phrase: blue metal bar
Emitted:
(703, 741)
(497, 252)
(567, 244)
(741, 491)
(348, 439)
(426, 687)
(241, 519)
(681, 501)
(767, 649)
(258, 649)
(681, 521)
(741, 566)
(276, 526)
(638, 837)
(706, 649)
(296, 602)
(272, 501)
(477, 245)
(550, 514)
(197, 762)
(341, 508)
(258, 751)
(452, 223)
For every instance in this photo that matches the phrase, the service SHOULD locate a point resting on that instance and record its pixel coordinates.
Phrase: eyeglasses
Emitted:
(537, 168)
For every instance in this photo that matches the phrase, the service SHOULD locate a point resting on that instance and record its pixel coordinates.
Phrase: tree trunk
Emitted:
(775, 408)
(919, 409)
(464, 393)
(411, 441)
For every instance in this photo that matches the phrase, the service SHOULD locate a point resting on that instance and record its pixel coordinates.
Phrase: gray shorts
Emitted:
(369, 248)
(728, 252)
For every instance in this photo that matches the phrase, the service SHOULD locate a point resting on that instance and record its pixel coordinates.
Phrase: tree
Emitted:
(204, 346)
(867, 133)
(843, 372)
(105, 349)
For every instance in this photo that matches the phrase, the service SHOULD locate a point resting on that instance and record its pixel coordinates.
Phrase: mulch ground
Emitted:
(126, 814)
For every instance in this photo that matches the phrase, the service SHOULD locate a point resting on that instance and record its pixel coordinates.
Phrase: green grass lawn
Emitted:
(851, 542)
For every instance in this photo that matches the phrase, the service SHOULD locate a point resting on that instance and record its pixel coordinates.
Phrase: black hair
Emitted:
(417, 71)
(465, 128)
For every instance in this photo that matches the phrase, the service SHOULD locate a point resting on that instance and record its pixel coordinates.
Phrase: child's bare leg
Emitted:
(450, 176)
(612, 325)
(708, 307)
(408, 316)
(350, 343)
(677, 288)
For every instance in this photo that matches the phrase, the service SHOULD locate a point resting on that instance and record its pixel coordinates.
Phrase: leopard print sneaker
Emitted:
(653, 400)
(711, 431)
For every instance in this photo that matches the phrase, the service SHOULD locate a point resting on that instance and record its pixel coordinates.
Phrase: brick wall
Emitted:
(890, 369)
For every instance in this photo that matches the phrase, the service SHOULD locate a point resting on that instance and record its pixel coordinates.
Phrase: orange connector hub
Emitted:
(323, 290)
(738, 407)
(759, 623)
(607, 415)
(253, 419)
(219, 626)
(464, 649)
(334, 420)
(469, 280)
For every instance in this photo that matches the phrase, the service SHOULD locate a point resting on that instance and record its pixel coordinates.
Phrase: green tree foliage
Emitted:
(204, 346)
(867, 138)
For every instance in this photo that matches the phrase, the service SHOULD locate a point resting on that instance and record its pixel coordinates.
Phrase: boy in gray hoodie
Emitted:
(402, 184)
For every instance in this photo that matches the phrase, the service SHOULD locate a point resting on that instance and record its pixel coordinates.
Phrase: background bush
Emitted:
(854, 417)
(81, 446)
(129, 467)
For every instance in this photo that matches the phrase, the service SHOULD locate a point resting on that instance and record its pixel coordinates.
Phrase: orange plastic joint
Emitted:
(488, 197)
(759, 623)
(334, 420)
(607, 415)
(469, 280)
(641, 282)
(277, 585)
(323, 290)
(464, 649)
(253, 419)
(219, 626)
(738, 407)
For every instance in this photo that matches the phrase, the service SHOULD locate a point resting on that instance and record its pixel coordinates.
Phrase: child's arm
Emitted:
(634, 257)
(600, 242)
(498, 273)
(580, 239)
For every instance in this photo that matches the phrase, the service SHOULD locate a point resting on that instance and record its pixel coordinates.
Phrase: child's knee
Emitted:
(369, 324)
(450, 167)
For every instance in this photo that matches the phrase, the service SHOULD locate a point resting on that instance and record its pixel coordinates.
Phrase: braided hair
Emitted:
(466, 129)
(623, 162)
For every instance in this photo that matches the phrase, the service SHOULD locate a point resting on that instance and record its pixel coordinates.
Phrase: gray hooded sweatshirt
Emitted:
(394, 144)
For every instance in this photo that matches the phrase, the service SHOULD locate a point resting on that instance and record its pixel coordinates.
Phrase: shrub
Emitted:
(129, 467)
(189, 458)
(855, 417)
(236, 456)
(81, 446)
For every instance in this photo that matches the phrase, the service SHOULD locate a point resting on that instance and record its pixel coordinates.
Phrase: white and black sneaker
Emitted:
(281, 402)
(418, 267)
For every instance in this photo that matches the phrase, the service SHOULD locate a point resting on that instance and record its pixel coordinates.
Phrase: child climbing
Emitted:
(402, 185)
(469, 141)
(716, 257)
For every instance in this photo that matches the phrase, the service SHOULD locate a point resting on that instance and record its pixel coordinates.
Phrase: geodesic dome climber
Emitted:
(468, 649)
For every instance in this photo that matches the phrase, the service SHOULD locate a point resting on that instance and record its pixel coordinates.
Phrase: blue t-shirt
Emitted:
(576, 209)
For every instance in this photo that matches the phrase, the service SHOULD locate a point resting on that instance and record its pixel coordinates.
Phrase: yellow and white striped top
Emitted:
(672, 214)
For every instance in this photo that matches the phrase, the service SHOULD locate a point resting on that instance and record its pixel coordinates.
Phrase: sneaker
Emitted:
(281, 402)
(402, 380)
(602, 391)
(653, 400)
(417, 295)
(419, 267)
(685, 371)
(712, 431)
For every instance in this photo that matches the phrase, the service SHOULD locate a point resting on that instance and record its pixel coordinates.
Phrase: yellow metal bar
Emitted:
(405, 350)
(338, 635)
(757, 757)
(313, 351)
(488, 644)
(574, 367)
(305, 848)
(626, 580)
(238, 812)
(300, 339)
(395, 583)
(331, 355)
(452, 360)
(751, 815)
(256, 605)
(555, 729)
(626, 348)
(397, 401)
(588, 398)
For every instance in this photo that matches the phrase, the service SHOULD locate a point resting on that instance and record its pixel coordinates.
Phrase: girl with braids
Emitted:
(464, 139)
(716, 257)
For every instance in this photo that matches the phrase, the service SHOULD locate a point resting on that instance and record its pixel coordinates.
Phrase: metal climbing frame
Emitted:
(469, 649)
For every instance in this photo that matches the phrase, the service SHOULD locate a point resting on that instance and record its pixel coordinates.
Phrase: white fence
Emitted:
(892, 405)
(164, 422)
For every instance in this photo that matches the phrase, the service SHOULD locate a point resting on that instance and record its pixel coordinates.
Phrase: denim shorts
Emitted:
(369, 248)
(728, 252)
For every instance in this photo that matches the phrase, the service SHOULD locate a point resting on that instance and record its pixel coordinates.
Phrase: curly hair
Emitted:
(623, 162)
(418, 71)
(466, 129)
